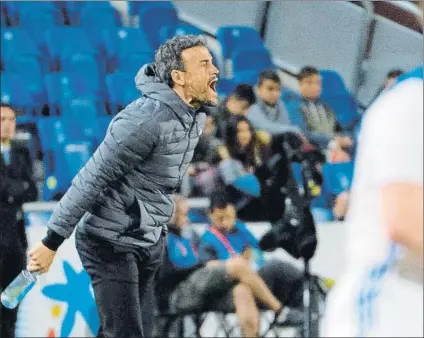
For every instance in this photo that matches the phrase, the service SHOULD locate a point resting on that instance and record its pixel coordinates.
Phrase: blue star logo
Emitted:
(76, 293)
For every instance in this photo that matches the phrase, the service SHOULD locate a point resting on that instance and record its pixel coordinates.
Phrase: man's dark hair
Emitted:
(394, 73)
(168, 55)
(269, 74)
(244, 92)
(307, 72)
(219, 199)
(8, 105)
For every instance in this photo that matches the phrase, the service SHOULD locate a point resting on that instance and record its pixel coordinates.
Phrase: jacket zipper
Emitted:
(180, 176)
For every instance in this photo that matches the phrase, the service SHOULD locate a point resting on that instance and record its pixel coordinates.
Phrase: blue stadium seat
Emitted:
(247, 184)
(337, 178)
(225, 87)
(118, 43)
(292, 102)
(288, 95)
(251, 59)
(63, 87)
(65, 41)
(121, 90)
(332, 83)
(80, 119)
(98, 17)
(15, 8)
(103, 123)
(232, 38)
(247, 76)
(53, 134)
(124, 41)
(339, 99)
(68, 161)
(346, 109)
(14, 91)
(137, 7)
(153, 19)
(16, 41)
(3, 19)
(39, 20)
(85, 65)
(71, 10)
(80, 63)
(169, 32)
(24, 65)
(132, 63)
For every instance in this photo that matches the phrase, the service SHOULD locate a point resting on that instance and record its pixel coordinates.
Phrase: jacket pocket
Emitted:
(141, 222)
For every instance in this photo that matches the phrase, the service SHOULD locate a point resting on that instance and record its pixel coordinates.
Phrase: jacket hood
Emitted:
(148, 82)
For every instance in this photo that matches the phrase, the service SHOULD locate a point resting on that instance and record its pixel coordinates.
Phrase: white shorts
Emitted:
(395, 311)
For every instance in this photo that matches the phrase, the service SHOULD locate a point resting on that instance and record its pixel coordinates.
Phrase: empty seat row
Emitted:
(32, 95)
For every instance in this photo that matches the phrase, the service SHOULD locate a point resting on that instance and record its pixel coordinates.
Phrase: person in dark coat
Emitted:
(122, 198)
(16, 188)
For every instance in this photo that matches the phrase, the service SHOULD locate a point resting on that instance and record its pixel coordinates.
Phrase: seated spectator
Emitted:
(322, 127)
(389, 81)
(186, 284)
(391, 77)
(251, 149)
(237, 103)
(269, 113)
(245, 151)
(227, 238)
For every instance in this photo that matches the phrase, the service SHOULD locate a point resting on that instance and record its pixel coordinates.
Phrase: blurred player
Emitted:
(381, 293)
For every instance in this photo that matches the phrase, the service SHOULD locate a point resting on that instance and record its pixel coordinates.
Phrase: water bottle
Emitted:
(18, 288)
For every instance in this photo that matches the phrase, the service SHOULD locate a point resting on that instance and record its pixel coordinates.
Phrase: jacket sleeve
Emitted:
(126, 144)
(260, 122)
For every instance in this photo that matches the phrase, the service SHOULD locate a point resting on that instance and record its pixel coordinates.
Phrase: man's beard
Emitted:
(200, 99)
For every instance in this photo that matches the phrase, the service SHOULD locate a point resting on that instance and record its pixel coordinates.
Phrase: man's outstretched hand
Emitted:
(41, 258)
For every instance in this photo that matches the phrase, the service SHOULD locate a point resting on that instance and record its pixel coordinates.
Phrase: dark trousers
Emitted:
(285, 281)
(12, 262)
(122, 282)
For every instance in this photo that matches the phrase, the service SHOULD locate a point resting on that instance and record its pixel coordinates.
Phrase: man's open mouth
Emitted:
(212, 85)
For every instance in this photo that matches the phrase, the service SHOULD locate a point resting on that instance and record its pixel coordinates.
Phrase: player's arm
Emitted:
(397, 141)
(403, 214)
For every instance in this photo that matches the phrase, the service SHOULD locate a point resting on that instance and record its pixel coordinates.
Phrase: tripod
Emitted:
(295, 230)
(314, 294)
(313, 298)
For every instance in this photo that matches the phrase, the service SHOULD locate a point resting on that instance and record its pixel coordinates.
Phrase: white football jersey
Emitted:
(365, 300)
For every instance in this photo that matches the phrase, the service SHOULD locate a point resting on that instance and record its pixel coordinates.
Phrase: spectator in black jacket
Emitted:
(184, 283)
(16, 188)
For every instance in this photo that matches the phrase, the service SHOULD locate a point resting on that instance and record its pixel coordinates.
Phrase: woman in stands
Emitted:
(245, 150)
(245, 145)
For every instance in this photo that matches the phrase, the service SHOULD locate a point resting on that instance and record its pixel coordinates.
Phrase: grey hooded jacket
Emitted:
(123, 192)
